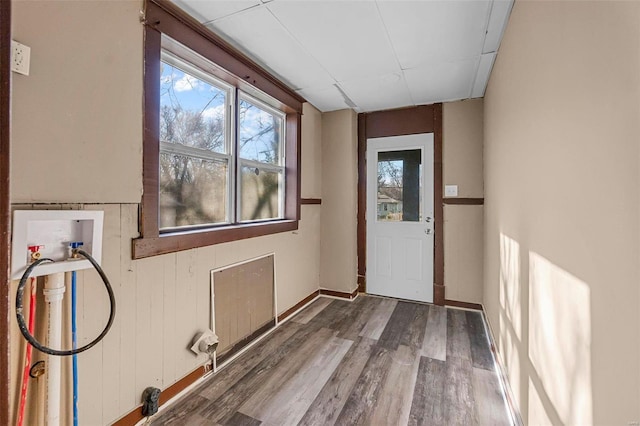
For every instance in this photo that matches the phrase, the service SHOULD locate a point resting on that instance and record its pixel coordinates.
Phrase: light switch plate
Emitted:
(451, 190)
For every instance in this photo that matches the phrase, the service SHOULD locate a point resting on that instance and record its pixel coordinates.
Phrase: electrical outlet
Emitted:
(150, 401)
(20, 58)
(451, 190)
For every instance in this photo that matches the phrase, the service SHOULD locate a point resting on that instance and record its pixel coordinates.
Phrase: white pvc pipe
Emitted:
(53, 294)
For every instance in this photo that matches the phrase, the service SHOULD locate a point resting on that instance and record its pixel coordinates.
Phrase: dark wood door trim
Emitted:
(362, 203)
(400, 122)
(5, 202)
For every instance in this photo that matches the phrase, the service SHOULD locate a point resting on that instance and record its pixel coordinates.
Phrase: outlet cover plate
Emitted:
(20, 58)
(451, 190)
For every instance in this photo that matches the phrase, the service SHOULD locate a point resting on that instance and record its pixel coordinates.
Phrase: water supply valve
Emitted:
(73, 246)
(34, 253)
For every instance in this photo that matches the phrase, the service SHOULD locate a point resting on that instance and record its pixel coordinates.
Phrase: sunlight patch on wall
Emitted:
(509, 352)
(559, 344)
(510, 341)
(537, 413)
(510, 282)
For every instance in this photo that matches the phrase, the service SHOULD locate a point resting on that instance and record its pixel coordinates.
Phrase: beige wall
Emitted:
(78, 115)
(462, 135)
(463, 248)
(463, 227)
(462, 144)
(94, 116)
(338, 254)
(312, 152)
(562, 215)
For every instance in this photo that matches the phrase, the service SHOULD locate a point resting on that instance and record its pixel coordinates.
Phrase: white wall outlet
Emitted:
(451, 190)
(20, 58)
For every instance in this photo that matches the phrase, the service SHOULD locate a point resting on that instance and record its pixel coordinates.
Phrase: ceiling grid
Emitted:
(366, 55)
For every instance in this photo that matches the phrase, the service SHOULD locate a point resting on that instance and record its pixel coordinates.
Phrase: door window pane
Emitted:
(399, 186)
(192, 191)
(261, 194)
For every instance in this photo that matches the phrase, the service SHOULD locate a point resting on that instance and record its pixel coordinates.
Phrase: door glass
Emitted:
(400, 186)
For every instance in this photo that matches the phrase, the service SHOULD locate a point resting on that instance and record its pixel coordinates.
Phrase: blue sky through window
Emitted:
(191, 93)
(192, 111)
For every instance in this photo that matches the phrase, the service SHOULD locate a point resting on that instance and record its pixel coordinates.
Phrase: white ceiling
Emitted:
(366, 55)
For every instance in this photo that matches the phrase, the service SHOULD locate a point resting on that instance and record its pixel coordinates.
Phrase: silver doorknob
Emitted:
(428, 219)
(428, 231)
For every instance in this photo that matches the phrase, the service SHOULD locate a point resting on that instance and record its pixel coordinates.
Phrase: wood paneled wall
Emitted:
(162, 302)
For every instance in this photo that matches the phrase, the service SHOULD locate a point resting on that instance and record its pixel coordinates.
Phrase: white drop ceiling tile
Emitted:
(347, 38)
(378, 93)
(439, 82)
(500, 12)
(482, 76)
(423, 31)
(324, 99)
(208, 10)
(258, 34)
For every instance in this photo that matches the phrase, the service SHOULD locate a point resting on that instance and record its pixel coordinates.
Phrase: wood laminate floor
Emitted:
(373, 361)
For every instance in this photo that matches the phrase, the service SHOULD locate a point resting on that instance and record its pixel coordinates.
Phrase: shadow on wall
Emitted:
(545, 337)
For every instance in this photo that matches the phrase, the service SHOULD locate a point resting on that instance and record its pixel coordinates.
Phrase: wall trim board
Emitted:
(399, 122)
(134, 416)
(311, 201)
(5, 208)
(463, 201)
(286, 314)
(465, 305)
(339, 294)
(516, 416)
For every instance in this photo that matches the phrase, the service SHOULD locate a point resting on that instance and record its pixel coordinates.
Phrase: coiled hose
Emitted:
(20, 317)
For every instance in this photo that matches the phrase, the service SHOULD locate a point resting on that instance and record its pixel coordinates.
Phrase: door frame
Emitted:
(400, 122)
(5, 200)
(420, 227)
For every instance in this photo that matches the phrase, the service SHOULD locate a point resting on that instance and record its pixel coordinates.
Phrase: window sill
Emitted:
(174, 242)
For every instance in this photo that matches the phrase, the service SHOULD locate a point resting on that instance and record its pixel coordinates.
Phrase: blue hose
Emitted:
(75, 346)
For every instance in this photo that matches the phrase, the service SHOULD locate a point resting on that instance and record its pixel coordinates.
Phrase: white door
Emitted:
(400, 222)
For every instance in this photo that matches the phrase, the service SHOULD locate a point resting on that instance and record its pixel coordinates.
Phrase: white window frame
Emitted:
(204, 154)
(277, 168)
(231, 156)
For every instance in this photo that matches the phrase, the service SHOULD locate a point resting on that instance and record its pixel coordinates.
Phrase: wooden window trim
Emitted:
(162, 17)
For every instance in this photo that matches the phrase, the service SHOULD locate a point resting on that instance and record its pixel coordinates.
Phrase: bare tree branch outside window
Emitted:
(192, 187)
(195, 161)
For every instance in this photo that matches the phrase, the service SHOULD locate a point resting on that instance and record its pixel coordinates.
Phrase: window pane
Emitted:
(192, 111)
(400, 186)
(192, 191)
(260, 194)
(259, 134)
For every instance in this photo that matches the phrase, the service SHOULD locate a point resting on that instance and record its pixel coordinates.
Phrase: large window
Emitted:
(221, 141)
